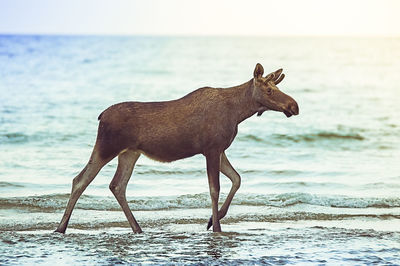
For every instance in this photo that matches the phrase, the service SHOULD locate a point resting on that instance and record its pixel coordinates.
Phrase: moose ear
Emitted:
(258, 71)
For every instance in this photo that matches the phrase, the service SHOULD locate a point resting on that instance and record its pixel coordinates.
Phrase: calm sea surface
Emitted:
(319, 188)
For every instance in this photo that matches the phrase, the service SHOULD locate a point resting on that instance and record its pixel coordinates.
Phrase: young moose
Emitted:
(204, 121)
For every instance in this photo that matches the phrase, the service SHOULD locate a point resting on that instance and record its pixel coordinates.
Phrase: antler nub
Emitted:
(270, 77)
(278, 80)
(275, 77)
(278, 76)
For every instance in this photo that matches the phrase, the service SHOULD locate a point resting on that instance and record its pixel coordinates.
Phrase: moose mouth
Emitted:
(291, 111)
(287, 113)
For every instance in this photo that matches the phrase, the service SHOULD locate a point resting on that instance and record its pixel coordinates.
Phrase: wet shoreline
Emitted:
(250, 243)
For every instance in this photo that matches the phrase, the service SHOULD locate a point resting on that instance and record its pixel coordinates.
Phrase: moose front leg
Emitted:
(227, 169)
(213, 163)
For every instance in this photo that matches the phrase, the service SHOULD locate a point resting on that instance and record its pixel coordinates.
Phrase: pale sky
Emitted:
(206, 17)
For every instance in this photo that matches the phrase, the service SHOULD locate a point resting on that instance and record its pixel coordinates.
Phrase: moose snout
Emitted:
(292, 108)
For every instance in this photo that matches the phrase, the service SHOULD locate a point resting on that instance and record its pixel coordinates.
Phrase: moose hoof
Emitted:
(209, 223)
(59, 231)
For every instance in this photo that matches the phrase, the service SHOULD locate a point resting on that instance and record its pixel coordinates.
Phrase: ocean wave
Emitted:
(336, 201)
(49, 203)
(15, 137)
(153, 172)
(37, 137)
(22, 138)
(159, 221)
(307, 138)
(325, 136)
(10, 185)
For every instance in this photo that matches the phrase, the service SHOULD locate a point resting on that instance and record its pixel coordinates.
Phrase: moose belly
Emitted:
(168, 150)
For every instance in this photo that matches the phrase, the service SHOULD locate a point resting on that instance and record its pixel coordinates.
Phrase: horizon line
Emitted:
(184, 35)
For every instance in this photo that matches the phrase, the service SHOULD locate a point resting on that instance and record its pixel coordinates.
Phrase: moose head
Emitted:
(267, 94)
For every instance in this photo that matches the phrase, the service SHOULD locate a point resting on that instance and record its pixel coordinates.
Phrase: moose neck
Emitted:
(242, 100)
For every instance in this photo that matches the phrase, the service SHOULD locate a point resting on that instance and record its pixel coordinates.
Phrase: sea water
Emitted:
(319, 188)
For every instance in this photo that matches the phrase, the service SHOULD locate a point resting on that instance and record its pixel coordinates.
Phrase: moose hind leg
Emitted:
(79, 184)
(126, 162)
(227, 169)
(213, 165)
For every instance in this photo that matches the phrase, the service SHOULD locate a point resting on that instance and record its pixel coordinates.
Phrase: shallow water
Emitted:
(258, 246)
(319, 188)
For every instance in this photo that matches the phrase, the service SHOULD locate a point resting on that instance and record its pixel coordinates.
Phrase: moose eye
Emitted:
(269, 91)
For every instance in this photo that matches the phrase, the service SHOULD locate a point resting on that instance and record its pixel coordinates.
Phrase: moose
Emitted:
(204, 121)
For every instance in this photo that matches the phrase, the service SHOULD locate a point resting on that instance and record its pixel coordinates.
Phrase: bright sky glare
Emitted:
(206, 17)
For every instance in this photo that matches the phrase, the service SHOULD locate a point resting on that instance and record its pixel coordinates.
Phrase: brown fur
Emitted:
(203, 122)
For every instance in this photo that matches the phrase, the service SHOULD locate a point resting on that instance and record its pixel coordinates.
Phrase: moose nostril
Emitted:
(295, 108)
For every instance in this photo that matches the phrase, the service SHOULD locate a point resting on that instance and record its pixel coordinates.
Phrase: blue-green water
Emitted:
(321, 187)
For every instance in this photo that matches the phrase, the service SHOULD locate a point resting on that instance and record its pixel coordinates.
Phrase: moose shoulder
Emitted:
(203, 122)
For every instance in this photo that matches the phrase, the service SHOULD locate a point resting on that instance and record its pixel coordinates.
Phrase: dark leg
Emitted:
(227, 169)
(126, 162)
(79, 184)
(213, 162)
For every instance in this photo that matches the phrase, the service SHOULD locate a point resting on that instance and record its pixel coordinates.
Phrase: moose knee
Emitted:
(236, 183)
(115, 188)
(77, 185)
